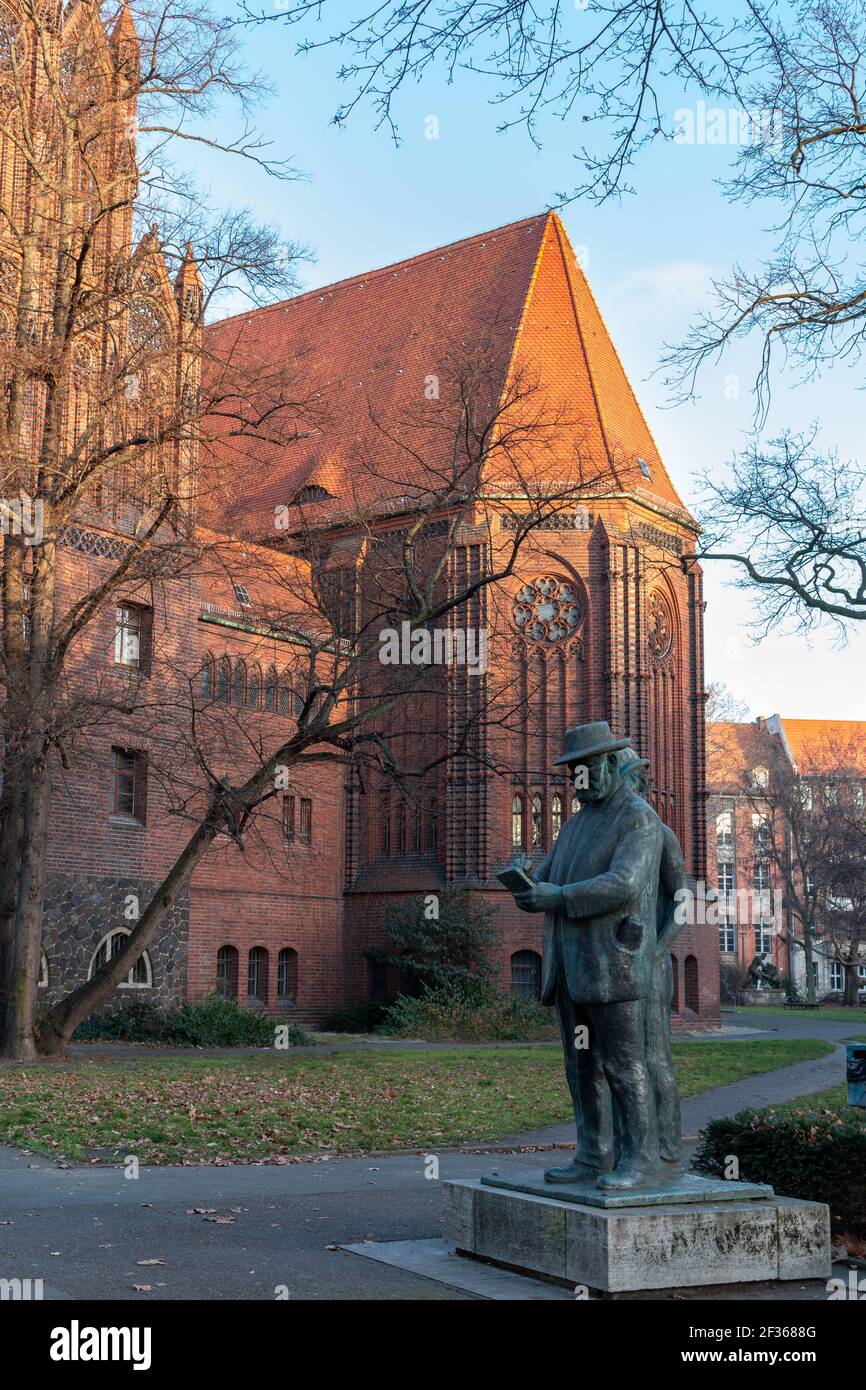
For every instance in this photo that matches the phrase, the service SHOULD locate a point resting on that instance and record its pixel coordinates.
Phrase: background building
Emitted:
(776, 787)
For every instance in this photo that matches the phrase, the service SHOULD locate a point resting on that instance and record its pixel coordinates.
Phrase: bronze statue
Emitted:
(658, 1016)
(599, 890)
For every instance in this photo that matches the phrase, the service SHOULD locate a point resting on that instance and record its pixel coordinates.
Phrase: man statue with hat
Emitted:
(598, 888)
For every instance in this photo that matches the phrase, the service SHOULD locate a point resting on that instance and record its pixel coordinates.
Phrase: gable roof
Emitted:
(810, 746)
(366, 347)
(814, 744)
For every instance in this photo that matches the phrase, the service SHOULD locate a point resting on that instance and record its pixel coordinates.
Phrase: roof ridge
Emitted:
(364, 276)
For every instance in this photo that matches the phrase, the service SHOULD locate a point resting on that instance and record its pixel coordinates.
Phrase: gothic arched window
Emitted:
(517, 820)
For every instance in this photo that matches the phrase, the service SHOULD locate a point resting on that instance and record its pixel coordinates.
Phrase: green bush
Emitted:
(137, 1020)
(219, 1022)
(817, 1153)
(470, 1013)
(354, 1018)
(450, 950)
(214, 1022)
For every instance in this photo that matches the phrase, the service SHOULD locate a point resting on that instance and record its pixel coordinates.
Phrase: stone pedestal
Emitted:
(618, 1242)
(763, 998)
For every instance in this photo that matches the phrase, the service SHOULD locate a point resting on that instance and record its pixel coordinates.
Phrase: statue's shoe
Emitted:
(625, 1179)
(575, 1171)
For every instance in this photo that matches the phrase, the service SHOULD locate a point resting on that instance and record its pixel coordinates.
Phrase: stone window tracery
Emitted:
(548, 609)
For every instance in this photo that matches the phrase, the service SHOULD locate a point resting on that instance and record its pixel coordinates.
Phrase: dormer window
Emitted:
(311, 493)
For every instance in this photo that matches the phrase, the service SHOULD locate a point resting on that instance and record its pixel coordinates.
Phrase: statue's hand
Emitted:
(544, 897)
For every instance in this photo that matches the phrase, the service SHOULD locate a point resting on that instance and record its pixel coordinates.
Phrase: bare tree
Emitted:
(792, 78)
(101, 359)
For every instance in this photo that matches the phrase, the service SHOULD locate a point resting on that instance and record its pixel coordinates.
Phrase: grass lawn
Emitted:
(853, 1016)
(266, 1106)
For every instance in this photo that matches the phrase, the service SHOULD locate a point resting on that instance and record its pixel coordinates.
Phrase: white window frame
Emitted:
(128, 983)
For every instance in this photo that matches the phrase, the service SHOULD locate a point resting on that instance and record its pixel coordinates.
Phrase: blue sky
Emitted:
(364, 202)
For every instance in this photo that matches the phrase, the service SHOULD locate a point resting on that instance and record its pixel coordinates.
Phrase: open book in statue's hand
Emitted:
(515, 879)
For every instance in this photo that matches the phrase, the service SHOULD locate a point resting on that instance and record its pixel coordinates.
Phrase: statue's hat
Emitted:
(585, 740)
(630, 761)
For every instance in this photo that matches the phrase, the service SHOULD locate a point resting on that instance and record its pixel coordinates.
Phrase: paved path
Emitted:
(85, 1230)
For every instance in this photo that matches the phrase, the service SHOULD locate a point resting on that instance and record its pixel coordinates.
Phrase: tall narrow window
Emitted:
(517, 821)
(386, 821)
(283, 694)
(254, 688)
(257, 976)
(271, 690)
(288, 819)
(305, 823)
(206, 678)
(287, 975)
(724, 830)
(224, 675)
(556, 815)
(128, 783)
(227, 972)
(128, 632)
(537, 821)
(239, 684)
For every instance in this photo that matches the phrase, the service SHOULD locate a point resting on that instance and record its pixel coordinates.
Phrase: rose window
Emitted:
(547, 609)
(661, 625)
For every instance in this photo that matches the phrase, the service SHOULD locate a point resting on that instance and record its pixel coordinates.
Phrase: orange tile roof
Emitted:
(365, 347)
(825, 742)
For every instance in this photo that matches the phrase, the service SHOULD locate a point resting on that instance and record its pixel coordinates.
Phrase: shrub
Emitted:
(219, 1022)
(447, 951)
(354, 1018)
(137, 1020)
(214, 1022)
(471, 1013)
(818, 1153)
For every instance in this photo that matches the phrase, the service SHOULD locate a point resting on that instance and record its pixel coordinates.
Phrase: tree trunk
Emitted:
(852, 984)
(807, 965)
(28, 842)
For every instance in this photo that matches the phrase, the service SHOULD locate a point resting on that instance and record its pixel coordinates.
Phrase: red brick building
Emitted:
(600, 620)
(746, 811)
(625, 640)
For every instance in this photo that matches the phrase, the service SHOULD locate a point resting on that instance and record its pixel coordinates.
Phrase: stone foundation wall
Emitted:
(80, 910)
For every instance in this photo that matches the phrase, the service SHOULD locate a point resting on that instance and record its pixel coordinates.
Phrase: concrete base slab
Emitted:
(432, 1259)
(674, 1189)
(639, 1247)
